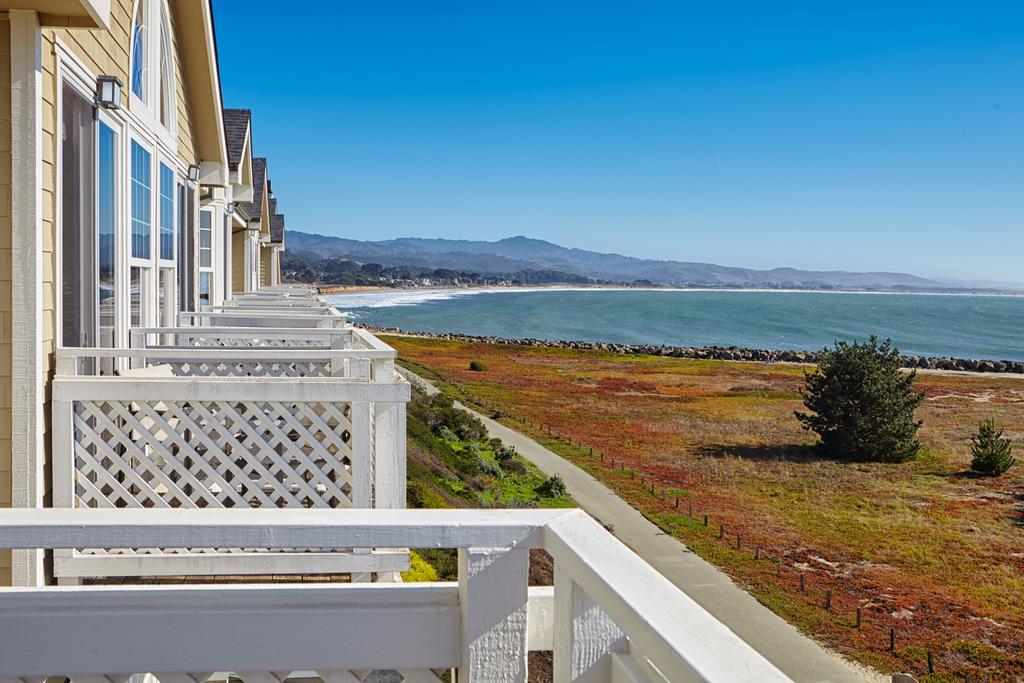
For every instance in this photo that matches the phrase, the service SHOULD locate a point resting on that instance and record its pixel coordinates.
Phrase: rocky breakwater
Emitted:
(719, 352)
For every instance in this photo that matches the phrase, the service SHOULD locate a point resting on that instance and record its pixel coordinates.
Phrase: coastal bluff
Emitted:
(716, 352)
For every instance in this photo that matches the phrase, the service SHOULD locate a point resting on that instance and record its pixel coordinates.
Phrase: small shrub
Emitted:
(489, 467)
(992, 453)
(448, 435)
(553, 487)
(420, 571)
(505, 453)
(473, 448)
(514, 466)
(861, 404)
(477, 366)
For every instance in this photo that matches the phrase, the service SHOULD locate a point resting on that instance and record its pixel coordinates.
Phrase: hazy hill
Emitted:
(518, 253)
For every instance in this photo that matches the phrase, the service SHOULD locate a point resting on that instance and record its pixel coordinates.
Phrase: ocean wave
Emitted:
(398, 297)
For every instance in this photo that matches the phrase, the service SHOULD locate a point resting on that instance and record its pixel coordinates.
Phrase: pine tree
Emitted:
(861, 404)
(992, 453)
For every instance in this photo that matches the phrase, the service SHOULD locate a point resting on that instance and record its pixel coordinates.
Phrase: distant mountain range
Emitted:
(523, 253)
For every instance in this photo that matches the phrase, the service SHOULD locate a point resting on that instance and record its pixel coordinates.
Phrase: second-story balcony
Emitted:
(230, 417)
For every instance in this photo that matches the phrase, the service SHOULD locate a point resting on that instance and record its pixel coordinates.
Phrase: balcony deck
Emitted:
(608, 617)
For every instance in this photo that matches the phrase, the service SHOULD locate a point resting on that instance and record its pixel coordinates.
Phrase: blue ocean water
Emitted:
(965, 326)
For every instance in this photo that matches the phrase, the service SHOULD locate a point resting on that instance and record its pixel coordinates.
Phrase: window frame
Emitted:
(147, 108)
(71, 71)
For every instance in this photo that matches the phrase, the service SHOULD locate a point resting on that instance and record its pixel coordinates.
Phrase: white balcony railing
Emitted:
(258, 351)
(276, 317)
(608, 617)
(229, 427)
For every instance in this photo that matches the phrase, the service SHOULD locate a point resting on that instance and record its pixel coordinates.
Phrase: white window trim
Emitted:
(145, 110)
(72, 71)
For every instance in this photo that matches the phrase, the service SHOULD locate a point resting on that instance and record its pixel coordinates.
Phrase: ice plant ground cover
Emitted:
(925, 547)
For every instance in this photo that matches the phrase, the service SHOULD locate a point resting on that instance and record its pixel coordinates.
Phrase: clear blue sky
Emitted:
(846, 135)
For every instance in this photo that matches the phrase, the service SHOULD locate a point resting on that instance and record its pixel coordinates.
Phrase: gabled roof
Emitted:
(259, 175)
(236, 125)
(277, 228)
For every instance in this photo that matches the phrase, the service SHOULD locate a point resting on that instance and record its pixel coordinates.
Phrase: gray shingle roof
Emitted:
(259, 173)
(277, 228)
(236, 123)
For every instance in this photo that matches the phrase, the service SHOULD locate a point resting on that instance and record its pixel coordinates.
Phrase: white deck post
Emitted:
(493, 586)
(585, 637)
(27, 391)
(361, 416)
(389, 455)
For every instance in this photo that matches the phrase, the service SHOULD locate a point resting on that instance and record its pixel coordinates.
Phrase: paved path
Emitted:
(795, 654)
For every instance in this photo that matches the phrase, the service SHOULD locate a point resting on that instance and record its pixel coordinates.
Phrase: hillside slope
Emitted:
(521, 253)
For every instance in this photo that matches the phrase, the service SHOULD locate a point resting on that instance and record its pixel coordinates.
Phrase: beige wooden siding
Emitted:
(238, 262)
(266, 254)
(6, 306)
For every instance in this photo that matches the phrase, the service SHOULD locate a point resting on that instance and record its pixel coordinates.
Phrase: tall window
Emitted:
(186, 248)
(142, 188)
(78, 228)
(152, 61)
(140, 47)
(166, 213)
(205, 239)
(205, 280)
(106, 199)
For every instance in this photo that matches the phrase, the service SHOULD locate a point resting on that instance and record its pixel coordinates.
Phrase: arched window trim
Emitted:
(154, 90)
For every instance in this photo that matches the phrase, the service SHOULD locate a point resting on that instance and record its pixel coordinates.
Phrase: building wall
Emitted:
(6, 304)
(266, 256)
(238, 261)
(102, 52)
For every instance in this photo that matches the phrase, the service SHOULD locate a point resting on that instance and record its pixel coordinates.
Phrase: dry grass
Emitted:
(923, 547)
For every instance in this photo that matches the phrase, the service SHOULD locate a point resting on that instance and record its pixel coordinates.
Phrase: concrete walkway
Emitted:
(795, 654)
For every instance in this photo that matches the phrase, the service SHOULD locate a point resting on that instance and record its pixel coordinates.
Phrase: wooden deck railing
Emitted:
(232, 427)
(263, 318)
(608, 617)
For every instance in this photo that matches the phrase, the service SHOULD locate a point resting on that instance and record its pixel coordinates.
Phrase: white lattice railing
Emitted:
(608, 617)
(313, 307)
(222, 442)
(359, 346)
(261, 318)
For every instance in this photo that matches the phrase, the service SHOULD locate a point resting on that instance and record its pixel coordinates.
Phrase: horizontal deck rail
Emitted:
(609, 616)
(224, 442)
(262, 319)
(184, 361)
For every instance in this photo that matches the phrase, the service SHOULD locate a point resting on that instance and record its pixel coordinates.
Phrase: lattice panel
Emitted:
(260, 342)
(212, 454)
(249, 369)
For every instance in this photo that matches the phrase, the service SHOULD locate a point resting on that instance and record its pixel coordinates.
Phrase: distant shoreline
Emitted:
(732, 353)
(357, 289)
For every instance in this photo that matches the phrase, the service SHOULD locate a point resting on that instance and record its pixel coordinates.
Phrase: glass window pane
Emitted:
(205, 239)
(78, 236)
(204, 291)
(106, 200)
(165, 294)
(142, 188)
(137, 295)
(139, 51)
(166, 213)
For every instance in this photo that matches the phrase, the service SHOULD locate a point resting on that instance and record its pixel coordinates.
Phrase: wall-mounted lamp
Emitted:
(231, 207)
(108, 92)
(193, 172)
